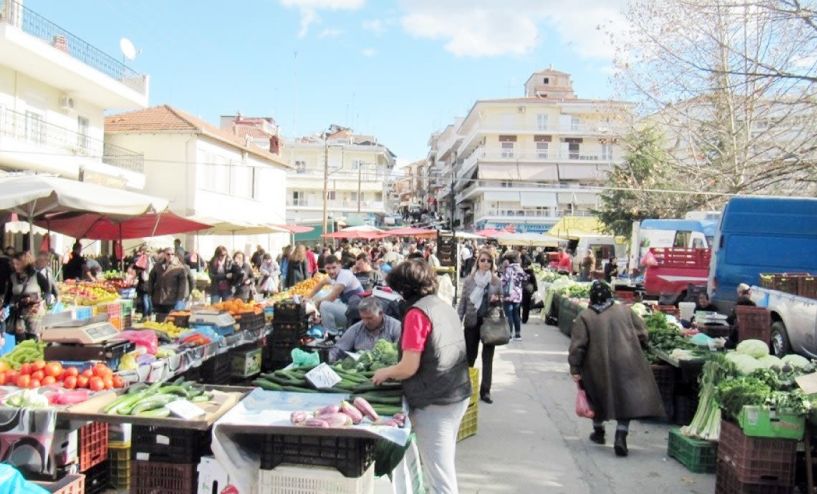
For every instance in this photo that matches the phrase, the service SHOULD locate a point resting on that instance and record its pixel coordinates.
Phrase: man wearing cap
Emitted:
(744, 298)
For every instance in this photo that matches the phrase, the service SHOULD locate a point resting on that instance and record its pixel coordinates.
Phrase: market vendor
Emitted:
(373, 326)
(745, 299)
(344, 285)
(703, 304)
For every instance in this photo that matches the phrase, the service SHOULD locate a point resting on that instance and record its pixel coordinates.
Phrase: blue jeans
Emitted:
(147, 305)
(514, 318)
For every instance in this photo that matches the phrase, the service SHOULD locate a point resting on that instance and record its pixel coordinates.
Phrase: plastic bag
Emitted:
(146, 339)
(301, 358)
(12, 482)
(583, 404)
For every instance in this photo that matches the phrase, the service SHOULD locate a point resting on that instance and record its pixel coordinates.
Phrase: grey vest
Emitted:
(442, 378)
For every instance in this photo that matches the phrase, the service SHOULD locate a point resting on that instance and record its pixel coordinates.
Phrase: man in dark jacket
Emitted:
(744, 298)
(168, 284)
(74, 269)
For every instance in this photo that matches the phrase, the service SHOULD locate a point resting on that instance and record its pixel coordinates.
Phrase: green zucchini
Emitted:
(155, 413)
(268, 385)
(296, 389)
(202, 398)
(157, 401)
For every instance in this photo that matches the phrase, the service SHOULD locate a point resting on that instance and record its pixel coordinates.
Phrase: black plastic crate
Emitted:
(251, 321)
(350, 455)
(216, 370)
(153, 477)
(684, 408)
(289, 311)
(168, 444)
(97, 478)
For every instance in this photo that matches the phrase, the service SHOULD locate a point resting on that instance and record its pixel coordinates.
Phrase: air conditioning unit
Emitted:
(66, 102)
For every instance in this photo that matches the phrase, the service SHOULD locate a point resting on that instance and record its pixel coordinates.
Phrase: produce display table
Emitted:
(568, 310)
(267, 413)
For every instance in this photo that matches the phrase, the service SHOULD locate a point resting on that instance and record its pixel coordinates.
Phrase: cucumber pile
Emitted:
(142, 400)
(386, 399)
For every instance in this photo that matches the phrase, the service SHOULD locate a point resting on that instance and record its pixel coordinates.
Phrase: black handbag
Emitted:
(494, 329)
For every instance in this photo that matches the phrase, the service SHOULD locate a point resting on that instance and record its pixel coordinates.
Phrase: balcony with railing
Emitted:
(526, 213)
(14, 14)
(337, 204)
(19, 131)
(524, 186)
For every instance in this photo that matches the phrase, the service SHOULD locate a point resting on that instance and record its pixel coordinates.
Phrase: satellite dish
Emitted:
(127, 48)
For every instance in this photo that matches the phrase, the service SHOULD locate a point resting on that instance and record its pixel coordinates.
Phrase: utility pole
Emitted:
(325, 181)
(456, 279)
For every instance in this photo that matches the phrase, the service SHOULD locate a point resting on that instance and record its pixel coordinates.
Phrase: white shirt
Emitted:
(465, 253)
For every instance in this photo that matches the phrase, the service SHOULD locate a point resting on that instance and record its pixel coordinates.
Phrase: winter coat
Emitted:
(243, 281)
(606, 350)
(466, 309)
(168, 283)
(513, 278)
(219, 280)
(296, 272)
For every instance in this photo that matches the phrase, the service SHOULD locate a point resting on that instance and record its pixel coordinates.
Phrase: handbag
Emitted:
(494, 329)
(583, 408)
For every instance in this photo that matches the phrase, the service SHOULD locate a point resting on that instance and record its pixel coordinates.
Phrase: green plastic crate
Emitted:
(468, 426)
(696, 455)
(756, 421)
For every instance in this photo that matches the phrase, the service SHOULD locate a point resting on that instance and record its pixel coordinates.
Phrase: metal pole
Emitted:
(359, 171)
(325, 180)
(454, 232)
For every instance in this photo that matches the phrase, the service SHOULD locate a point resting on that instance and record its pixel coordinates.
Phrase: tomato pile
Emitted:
(42, 373)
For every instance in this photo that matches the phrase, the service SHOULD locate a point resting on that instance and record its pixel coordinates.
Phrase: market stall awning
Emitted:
(96, 226)
(296, 228)
(468, 236)
(528, 239)
(490, 233)
(220, 226)
(577, 226)
(32, 196)
(408, 232)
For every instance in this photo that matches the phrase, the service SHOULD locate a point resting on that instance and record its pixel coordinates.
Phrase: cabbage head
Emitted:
(753, 348)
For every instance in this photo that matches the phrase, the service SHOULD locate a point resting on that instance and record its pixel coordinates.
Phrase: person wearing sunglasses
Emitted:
(480, 289)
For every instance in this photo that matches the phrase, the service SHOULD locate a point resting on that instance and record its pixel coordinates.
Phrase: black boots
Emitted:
(486, 397)
(598, 435)
(620, 444)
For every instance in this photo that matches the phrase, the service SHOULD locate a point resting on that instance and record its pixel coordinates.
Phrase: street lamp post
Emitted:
(325, 181)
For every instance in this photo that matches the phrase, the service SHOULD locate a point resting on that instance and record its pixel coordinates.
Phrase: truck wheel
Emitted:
(780, 339)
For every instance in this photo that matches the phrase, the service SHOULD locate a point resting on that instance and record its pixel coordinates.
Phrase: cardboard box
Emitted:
(246, 363)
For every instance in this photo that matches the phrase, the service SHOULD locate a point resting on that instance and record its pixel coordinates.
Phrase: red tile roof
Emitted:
(165, 118)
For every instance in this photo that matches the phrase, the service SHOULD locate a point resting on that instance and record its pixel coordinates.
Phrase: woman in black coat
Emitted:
(528, 289)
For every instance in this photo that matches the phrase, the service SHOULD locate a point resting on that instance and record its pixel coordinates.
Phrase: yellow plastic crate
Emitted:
(119, 464)
(468, 426)
(473, 373)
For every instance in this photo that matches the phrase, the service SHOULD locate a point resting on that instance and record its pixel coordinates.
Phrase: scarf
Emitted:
(601, 298)
(481, 280)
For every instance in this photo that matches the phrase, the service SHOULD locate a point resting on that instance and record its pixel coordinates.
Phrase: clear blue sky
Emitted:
(396, 69)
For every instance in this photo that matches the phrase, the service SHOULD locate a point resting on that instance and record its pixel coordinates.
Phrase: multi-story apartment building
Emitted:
(357, 167)
(206, 172)
(528, 161)
(54, 90)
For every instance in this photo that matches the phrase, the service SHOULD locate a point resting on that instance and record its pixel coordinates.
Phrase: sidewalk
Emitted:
(531, 441)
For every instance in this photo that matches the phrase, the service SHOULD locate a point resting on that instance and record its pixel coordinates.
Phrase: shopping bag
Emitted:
(583, 404)
(494, 329)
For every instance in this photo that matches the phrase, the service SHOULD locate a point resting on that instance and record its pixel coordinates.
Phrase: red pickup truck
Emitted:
(671, 271)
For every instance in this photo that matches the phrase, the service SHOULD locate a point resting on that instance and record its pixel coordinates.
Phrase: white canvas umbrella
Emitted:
(528, 240)
(34, 196)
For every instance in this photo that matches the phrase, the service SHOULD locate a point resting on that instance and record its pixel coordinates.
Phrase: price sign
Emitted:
(185, 409)
(323, 377)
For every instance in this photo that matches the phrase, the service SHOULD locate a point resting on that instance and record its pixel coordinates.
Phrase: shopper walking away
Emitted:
(257, 257)
(513, 278)
(297, 268)
(26, 294)
(530, 287)
(311, 262)
(283, 263)
(432, 350)
(606, 358)
(480, 290)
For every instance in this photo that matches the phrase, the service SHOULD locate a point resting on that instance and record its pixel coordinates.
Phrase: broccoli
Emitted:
(386, 352)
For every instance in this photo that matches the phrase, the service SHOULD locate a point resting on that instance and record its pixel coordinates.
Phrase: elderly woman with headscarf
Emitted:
(606, 359)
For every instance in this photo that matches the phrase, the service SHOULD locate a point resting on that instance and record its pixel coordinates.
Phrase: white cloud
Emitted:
(309, 10)
(377, 26)
(330, 33)
(368, 52)
(477, 28)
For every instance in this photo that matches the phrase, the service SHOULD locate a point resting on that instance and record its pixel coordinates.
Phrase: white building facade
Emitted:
(356, 168)
(206, 172)
(523, 163)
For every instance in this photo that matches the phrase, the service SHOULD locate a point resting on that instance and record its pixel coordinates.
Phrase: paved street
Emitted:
(531, 441)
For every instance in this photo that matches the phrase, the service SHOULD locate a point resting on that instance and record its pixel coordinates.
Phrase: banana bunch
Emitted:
(167, 328)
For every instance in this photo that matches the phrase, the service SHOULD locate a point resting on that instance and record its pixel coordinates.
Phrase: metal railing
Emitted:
(534, 155)
(531, 213)
(32, 129)
(32, 23)
(344, 204)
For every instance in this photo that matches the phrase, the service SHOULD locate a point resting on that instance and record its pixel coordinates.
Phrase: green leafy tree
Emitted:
(644, 185)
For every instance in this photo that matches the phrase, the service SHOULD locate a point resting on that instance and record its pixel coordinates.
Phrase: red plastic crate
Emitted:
(93, 445)
(754, 323)
(152, 477)
(756, 460)
(70, 484)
